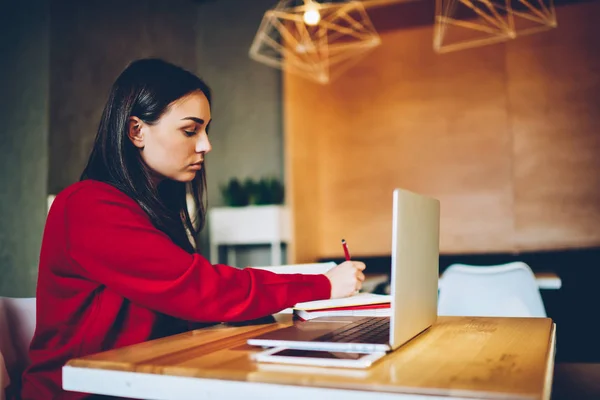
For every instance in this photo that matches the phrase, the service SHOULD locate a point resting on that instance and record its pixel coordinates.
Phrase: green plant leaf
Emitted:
(234, 194)
(262, 192)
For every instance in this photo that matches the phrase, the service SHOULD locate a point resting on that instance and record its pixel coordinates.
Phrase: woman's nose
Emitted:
(203, 144)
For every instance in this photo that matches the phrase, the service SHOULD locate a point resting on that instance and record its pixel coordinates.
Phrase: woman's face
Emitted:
(174, 147)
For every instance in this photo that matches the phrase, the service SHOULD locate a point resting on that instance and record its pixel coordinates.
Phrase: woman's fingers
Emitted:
(360, 276)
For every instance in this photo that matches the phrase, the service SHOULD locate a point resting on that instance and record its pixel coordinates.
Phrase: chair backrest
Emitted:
(507, 290)
(4, 379)
(17, 325)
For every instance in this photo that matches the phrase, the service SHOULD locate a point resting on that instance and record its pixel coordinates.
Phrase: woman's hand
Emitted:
(346, 278)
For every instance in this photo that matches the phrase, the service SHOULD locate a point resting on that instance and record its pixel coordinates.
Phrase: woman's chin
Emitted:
(183, 176)
(187, 176)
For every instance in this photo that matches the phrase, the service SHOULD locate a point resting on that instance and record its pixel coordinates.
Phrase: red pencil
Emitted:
(346, 252)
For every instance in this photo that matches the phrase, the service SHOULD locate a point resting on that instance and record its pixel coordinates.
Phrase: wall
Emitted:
(23, 142)
(504, 135)
(246, 133)
(92, 42)
(553, 96)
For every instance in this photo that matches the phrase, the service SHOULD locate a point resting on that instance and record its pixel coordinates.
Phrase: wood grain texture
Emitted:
(302, 165)
(459, 356)
(440, 130)
(506, 137)
(409, 118)
(554, 92)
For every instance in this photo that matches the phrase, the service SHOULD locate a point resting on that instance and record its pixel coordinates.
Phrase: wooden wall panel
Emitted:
(301, 164)
(554, 89)
(435, 125)
(469, 128)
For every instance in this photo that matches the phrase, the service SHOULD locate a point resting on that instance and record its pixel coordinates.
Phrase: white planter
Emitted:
(230, 226)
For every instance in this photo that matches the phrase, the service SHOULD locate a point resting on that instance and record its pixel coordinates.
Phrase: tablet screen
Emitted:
(320, 358)
(318, 354)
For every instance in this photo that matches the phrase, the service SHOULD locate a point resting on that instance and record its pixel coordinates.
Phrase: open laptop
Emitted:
(414, 291)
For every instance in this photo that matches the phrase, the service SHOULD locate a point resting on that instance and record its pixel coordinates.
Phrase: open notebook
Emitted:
(313, 268)
(359, 299)
(369, 310)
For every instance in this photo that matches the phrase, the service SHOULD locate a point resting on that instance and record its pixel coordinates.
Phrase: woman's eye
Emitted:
(190, 133)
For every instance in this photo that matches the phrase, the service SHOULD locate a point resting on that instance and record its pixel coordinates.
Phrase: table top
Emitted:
(548, 280)
(480, 357)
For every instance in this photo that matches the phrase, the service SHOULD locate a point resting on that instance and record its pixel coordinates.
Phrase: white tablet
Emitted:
(318, 358)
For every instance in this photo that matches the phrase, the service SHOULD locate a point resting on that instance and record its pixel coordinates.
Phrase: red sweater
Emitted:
(108, 278)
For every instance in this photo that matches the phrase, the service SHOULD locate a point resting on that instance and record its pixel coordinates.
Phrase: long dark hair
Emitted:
(145, 89)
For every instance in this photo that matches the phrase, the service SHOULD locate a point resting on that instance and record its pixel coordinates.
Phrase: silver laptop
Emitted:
(414, 290)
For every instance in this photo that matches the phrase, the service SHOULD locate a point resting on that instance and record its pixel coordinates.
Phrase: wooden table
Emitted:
(459, 357)
(548, 280)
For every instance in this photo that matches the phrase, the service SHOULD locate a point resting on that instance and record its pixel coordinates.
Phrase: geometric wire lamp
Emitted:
(462, 24)
(315, 40)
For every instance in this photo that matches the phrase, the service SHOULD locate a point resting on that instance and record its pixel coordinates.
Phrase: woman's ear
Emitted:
(134, 132)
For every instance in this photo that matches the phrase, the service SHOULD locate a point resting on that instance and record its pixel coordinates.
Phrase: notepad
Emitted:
(357, 300)
(360, 299)
(370, 310)
(309, 269)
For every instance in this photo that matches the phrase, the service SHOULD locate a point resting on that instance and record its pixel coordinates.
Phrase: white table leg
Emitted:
(276, 253)
(214, 253)
(231, 256)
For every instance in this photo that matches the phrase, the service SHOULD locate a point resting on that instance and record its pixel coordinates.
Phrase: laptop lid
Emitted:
(414, 286)
(415, 265)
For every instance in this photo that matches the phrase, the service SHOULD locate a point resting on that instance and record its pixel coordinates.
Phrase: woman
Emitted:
(116, 265)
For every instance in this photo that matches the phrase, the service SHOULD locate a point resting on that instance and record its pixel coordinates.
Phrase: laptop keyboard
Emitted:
(366, 330)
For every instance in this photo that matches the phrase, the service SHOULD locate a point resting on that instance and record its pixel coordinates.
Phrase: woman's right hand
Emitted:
(346, 278)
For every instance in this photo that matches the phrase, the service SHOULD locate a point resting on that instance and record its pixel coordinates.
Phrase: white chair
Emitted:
(507, 290)
(4, 379)
(17, 325)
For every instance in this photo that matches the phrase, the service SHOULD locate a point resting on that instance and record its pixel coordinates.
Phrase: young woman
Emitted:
(116, 265)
